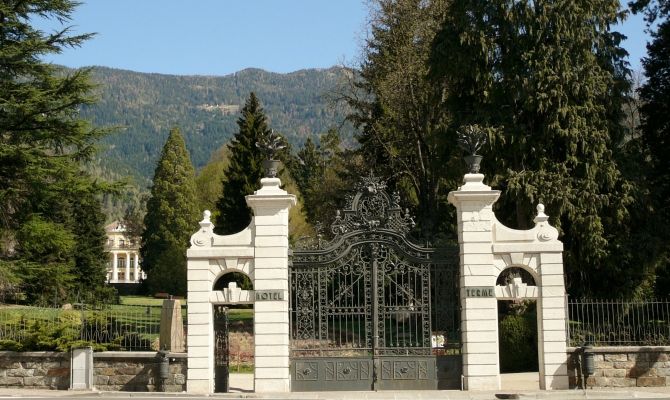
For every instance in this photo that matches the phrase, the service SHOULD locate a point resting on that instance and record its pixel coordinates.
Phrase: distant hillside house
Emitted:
(123, 266)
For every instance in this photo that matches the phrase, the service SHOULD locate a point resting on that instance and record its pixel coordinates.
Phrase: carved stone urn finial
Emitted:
(471, 138)
(269, 145)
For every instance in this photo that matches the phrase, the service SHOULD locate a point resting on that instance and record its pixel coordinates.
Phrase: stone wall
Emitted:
(136, 371)
(112, 371)
(36, 370)
(629, 366)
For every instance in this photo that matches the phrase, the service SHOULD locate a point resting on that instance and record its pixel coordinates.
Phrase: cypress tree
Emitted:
(170, 220)
(245, 170)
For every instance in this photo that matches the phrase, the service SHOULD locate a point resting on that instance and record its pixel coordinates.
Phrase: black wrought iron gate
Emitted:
(221, 350)
(363, 305)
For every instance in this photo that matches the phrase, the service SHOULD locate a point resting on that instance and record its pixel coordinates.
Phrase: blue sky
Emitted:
(218, 37)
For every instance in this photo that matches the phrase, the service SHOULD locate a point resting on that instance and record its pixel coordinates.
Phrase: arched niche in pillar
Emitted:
(517, 283)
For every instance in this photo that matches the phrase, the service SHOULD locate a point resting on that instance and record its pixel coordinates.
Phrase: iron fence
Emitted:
(114, 327)
(618, 322)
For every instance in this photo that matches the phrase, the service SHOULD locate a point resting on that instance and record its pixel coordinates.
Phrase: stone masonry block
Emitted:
(199, 286)
(267, 317)
(554, 347)
(550, 269)
(623, 364)
(476, 236)
(615, 357)
(553, 324)
(482, 280)
(271, 241)
(488, 347)
(271, 262)
(480, 369)
(273, 351)
(264, 340)
(551, 258)
(554, 336)
(553, 313)
(272, 273)
(555, 369)
(272, 328)
(476, 248)
(480, 359)
(271, 362)
(553, 302)
(271, 252)
(480, 337)
(480, 314)
(199, 362)
(650, 381)
(197, 319)
(553, 280)
(615, 373)
(471, 303)
(272, 385)
(271, 306)
(270, 284)
(278, 372)
(482, 325)
(555, 358)
(198, 297)
(548, 291)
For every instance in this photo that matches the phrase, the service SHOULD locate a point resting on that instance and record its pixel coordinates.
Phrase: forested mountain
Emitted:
(205, 108)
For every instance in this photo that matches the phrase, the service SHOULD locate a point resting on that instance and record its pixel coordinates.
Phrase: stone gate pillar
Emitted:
(479, 308)
(487, 248)
(271, 205)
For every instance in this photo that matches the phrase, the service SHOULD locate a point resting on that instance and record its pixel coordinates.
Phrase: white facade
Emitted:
(123, 264)
(487, 247)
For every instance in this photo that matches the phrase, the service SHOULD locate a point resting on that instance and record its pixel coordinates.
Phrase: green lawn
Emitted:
(143, 301)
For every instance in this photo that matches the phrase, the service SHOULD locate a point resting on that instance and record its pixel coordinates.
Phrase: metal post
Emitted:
(163, 370)
(376, 368)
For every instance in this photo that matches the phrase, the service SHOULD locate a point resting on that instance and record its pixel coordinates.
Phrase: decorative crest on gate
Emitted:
(371, 208)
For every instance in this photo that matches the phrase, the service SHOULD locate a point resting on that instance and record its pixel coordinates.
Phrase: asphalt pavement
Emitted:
(514, 386)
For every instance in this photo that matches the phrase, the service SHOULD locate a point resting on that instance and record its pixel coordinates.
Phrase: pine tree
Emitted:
(170, 220)
(245, 170)
(44, 148)
(549, 76)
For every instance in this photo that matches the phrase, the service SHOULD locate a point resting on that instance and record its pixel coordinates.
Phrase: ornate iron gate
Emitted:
(363, 305)
(221, 349)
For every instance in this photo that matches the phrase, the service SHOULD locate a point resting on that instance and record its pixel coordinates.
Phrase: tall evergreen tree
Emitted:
(171, 219)
(244, 171)
(655, 131)
(44, 146)
(549, 75)
(399, 110)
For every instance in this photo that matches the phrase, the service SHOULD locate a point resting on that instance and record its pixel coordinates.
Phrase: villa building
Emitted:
(124, 256)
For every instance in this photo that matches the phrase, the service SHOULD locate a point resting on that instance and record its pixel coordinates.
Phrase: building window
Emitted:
(132, 262)
(122, 242)
(131, 276)
(121, 263)
(122, 276)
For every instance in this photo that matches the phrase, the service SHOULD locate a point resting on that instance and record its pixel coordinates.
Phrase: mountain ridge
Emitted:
(205, 108)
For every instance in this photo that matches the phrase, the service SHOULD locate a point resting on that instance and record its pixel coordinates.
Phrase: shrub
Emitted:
(518, 342)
